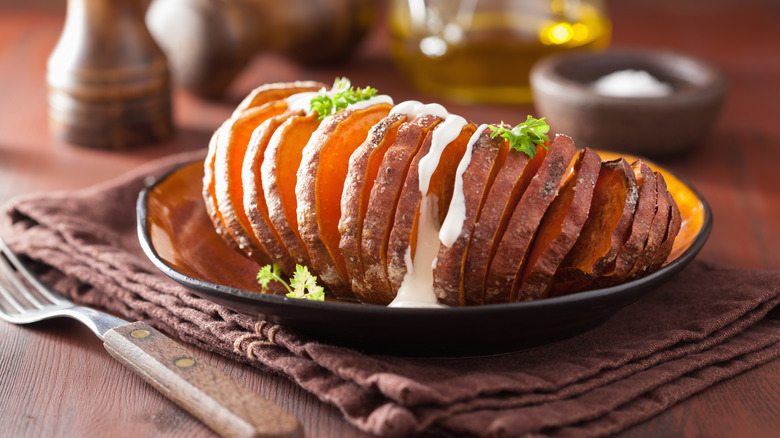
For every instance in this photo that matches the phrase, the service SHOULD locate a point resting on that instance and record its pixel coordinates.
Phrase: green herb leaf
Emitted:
(341, 95)
(525, 136)
(269, 273)
(302, 285)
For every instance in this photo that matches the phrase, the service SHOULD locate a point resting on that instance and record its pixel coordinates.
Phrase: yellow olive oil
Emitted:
(487, 55)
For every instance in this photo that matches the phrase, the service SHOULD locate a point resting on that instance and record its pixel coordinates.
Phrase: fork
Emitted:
(225, 405)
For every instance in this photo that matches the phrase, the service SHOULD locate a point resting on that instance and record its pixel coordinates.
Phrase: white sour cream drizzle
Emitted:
(456, 214)
(302, 101)
(414, 109)
(417, 286)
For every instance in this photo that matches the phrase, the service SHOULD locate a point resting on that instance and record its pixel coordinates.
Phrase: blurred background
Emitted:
(467, 54)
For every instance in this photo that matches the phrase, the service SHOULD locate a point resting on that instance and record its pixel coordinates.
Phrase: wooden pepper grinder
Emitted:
(108, 80)
(208, 42)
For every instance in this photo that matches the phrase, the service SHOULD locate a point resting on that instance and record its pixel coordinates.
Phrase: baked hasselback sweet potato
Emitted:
(385, 202)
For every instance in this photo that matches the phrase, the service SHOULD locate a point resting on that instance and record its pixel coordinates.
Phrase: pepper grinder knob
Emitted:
(108, 81)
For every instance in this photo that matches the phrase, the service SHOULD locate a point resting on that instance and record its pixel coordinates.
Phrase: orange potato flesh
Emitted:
(559, 228)
(279, 170)
(332, 171)
(403, 235)
(509, 185)
(321, 177)
(364, 165)
(255, 204)
(612, 209)
(229, 188)
(637, 238)
(260, 96)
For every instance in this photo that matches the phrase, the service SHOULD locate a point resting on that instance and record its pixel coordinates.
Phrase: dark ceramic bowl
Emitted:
(647, 126)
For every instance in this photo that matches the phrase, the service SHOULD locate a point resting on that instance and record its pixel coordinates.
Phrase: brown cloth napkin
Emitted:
(705, 325)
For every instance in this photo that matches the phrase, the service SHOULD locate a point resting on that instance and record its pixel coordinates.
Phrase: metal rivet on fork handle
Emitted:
(138, 334)
(184, 362)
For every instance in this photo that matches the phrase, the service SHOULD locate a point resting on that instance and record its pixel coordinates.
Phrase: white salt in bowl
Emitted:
(654, 103)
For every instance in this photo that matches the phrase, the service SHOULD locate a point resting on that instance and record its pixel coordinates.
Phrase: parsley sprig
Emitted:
(302, 285)
(525, 136)
(341, 95)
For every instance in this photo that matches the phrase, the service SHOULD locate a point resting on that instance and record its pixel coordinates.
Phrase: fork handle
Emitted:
(225, 405)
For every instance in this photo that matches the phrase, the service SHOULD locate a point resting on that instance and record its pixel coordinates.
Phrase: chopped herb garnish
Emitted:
(341, 95)
(525, 136)
(302, 285)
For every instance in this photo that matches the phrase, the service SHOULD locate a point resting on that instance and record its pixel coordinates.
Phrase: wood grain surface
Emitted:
(57, 380)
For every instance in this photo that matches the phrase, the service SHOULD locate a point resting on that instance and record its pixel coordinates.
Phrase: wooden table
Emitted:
(56, 379)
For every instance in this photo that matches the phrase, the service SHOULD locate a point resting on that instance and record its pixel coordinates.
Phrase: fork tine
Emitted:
(18, 286)
(8, 304)
(14, 265)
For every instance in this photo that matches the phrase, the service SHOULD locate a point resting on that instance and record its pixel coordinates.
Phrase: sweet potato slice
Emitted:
(611, 213)
(255, 205)
(382, 203)
(321, 177)
(640, 227)
(363, 170)
(513, 247)
(279, 176)
(560, 227)
(675, 223)
(228, 165)
(482, 163)
(209, 192)
(445, 155)
(510, 184)
(262, 95)
(275, 91)
(657, 232)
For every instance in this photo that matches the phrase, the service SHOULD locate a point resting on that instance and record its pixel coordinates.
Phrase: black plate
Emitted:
(176, 234)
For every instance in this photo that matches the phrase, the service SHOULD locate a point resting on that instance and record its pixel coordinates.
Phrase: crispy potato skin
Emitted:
(279, 177)
(657, 231)
(364, 165)
(510, 184)
(559, 228)
(382, 203)
(210, 195)
(487, 158)
(513, 248)
(675, 222)
(320, 183)
(255, 204)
